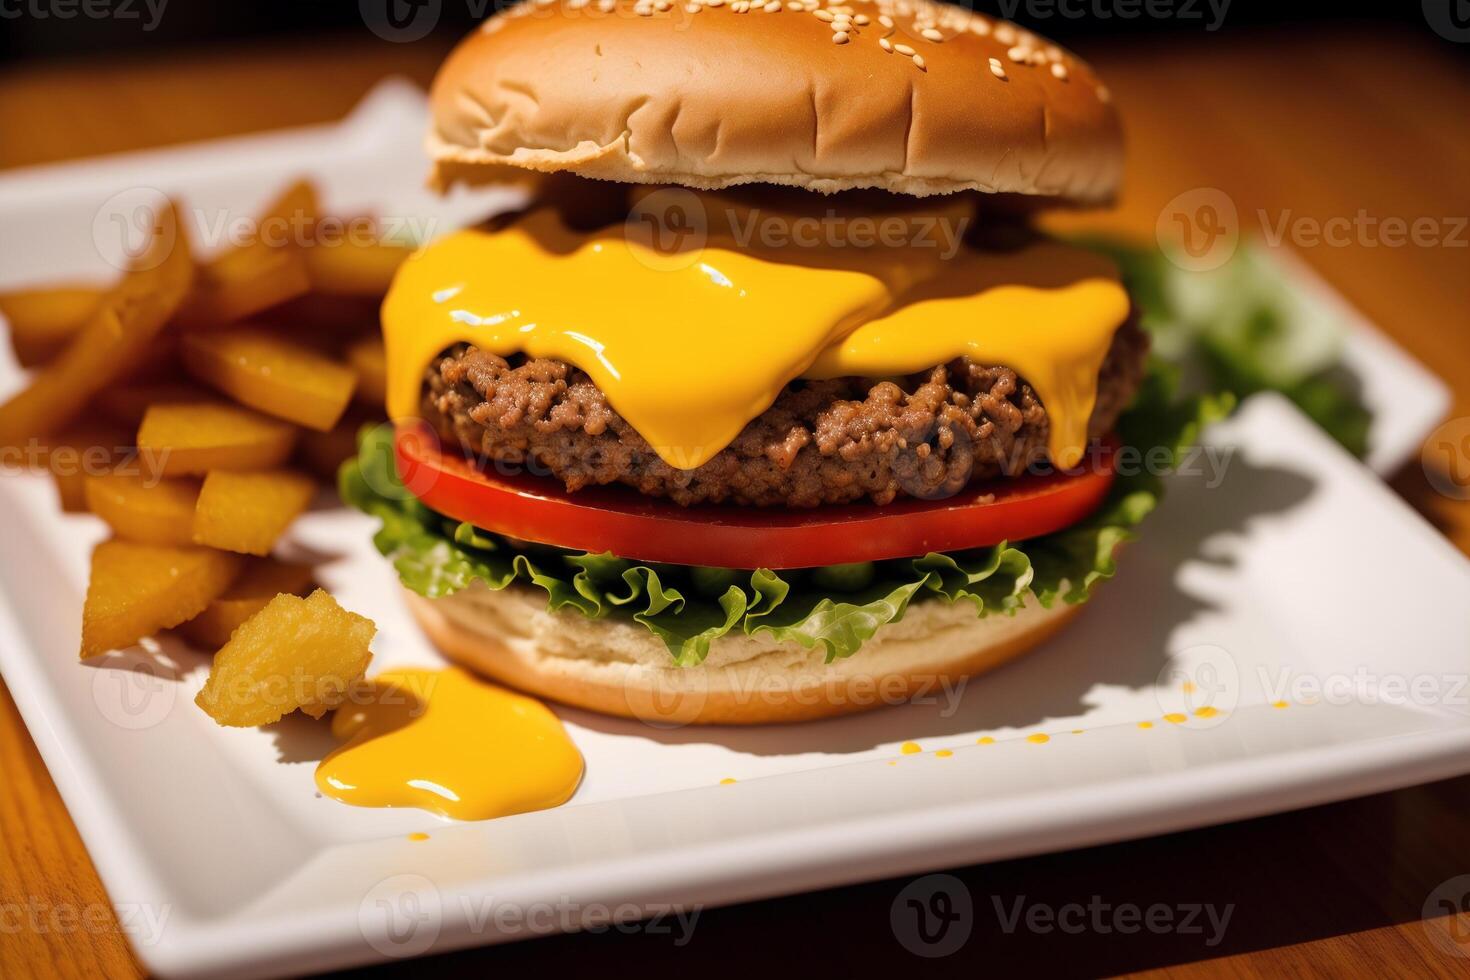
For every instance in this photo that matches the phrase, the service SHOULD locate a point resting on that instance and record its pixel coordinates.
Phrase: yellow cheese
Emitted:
(689, 347)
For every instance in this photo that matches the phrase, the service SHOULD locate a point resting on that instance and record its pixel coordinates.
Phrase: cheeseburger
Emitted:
(770, 405)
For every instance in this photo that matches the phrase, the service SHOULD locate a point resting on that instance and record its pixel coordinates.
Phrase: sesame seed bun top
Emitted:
(910, 96)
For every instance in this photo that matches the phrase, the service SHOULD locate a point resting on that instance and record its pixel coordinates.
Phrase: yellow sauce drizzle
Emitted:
(446, 742)
(690, 351)
(910, 748)
(1040, 738)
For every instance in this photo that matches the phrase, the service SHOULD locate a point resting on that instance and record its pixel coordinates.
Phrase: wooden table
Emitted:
(1315, 125)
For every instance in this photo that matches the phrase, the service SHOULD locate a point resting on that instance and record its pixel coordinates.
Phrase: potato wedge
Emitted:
(261, 581)
(369, 359)
(72, 455)
(144, 508)
(248, 512)
(349, 268)
(265, 271)
(274, 375)
(114, 340)
(243, 283)
(43, 321)
(138, 589)
(193, 438)
(127, 404)
(294, 654)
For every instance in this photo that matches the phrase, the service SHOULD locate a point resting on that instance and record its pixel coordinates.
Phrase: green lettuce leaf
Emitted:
(1244, 328)
(836, 609)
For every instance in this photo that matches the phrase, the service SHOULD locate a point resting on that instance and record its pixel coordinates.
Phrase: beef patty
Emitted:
(822, 442)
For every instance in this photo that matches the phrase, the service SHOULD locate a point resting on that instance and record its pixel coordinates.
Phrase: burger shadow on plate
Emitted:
(1123, 638)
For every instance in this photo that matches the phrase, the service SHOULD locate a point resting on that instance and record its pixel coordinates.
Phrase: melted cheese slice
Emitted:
(691, 346)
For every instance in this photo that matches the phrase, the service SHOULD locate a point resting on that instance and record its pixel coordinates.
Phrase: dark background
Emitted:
(44, 29)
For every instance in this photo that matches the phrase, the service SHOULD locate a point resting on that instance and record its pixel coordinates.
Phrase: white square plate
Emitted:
(1296, 577)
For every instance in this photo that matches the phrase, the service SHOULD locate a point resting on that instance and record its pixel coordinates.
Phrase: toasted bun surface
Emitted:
(714, 93)
(619, 668)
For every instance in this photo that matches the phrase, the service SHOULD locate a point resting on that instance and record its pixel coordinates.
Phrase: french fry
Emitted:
(369, 359)
(144, 509)
(268, 270)
(272, 374)
(248, 512)
(354, 268)
(193, 438)
(127, 404)
(115, 339)
(294, 654)
(261, 581)
(43, 321)
(136, 590)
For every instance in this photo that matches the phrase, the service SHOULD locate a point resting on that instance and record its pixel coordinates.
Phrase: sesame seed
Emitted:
(885, 44)
(904, 49)
(930, 34)
(839, 38)
(1017, 53)
(997, 69)
(1005, 34)
(774, 7)
(1059, 70)
(707, 3)
(824, 15)
(861, 20)
(919, 62)
(662, 5)
(885, 20)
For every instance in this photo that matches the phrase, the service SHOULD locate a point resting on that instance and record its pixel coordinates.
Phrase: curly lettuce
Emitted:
(836, 608)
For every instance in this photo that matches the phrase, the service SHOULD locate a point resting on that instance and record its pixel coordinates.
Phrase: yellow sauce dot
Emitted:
(893, 762)
(1145, 724)
(910, 748)
(1078, 731)
(1040, 738)
(726, 781)
(1175, 718)
(418, 836)
(984, 740)
(1278, 704)
(1187, 687)
(1206, 712)
(944, 753)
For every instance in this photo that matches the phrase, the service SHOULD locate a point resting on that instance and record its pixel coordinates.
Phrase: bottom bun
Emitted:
(618, 667)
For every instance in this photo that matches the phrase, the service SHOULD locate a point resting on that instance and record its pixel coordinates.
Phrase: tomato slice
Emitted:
(630, 525)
